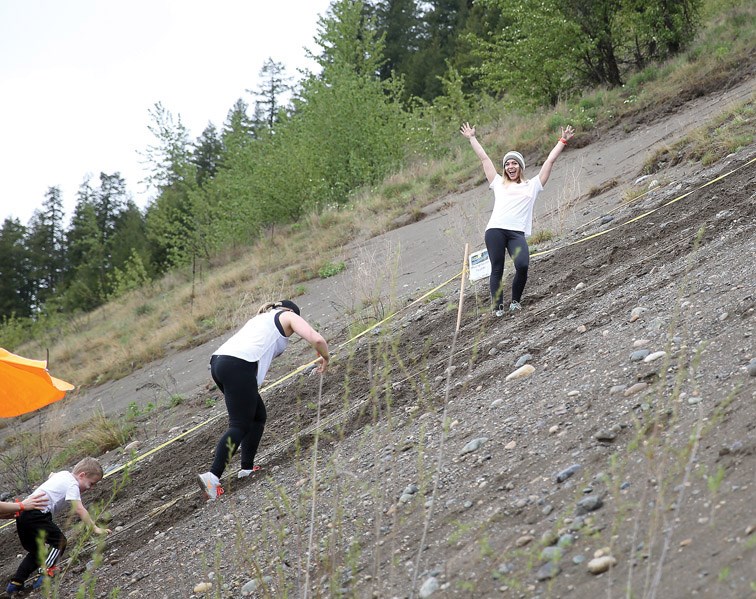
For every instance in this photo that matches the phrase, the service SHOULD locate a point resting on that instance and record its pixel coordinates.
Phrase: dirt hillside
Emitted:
(622, 465)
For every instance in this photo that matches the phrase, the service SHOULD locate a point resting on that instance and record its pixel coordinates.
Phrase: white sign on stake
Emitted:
(480, 265)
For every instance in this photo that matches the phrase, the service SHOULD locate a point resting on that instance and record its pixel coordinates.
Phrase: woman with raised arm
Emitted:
(512, 216)
(238, 367)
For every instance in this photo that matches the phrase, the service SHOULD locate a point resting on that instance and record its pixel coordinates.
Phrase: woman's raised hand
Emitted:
(467, 130)
(568, 132)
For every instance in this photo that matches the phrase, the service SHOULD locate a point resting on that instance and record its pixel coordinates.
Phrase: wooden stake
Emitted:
(462, 287)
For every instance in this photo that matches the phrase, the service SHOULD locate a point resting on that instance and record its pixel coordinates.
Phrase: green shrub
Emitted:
(650, 73)
(330, 269)
(13, 332)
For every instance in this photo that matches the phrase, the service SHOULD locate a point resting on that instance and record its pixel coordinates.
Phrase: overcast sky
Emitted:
(78, 77)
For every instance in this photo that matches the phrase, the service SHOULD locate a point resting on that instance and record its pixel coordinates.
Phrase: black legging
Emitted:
(33, 525)
(237, 380)
(498, 242)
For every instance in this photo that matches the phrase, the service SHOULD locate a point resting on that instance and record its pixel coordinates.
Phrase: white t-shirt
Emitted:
(257, 341)
(513, 204)
(59, 488)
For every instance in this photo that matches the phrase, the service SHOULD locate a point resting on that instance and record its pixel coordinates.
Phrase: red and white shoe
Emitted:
(243, 473)
(210, 486)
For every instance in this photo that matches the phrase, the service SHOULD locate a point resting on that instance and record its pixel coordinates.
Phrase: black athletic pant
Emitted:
(498, 242)
(31, 526)
(237, 380)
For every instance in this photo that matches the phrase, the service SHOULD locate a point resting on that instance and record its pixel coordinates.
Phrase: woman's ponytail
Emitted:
(266, 307)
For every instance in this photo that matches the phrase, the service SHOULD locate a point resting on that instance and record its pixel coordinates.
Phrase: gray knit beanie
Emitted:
(516, 156)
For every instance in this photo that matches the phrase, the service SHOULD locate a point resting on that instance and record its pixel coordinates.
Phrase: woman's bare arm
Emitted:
(293, 323)
(488, 165)
(545, 172)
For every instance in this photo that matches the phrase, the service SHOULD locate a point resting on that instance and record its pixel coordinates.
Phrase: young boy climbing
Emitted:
(37, 525)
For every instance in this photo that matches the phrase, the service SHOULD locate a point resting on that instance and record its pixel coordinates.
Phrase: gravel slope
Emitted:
(631, 440)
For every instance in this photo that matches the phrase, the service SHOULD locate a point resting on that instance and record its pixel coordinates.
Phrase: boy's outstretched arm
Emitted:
(84, 516)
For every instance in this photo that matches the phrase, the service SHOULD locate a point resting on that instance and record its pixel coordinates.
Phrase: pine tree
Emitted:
(15, 270)
(85, 254)
(237, 123)
(398, 21)
(130, 236)
(443, 21)
(207, 154)
(46, 248)
(268, 96)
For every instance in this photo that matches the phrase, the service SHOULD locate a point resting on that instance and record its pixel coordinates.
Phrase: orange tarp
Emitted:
(25, 385)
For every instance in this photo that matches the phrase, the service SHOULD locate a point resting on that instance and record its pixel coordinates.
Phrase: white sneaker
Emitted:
(243, 473)
(499, 313)
(210, 486)
(514, 306)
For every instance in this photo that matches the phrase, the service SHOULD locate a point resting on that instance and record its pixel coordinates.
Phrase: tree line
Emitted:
(395, 78)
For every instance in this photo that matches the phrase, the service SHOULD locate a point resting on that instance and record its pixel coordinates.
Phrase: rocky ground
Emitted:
(599, 443)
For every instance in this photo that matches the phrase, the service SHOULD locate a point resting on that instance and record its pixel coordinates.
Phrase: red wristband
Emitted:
(20, 509)
(563, 140)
